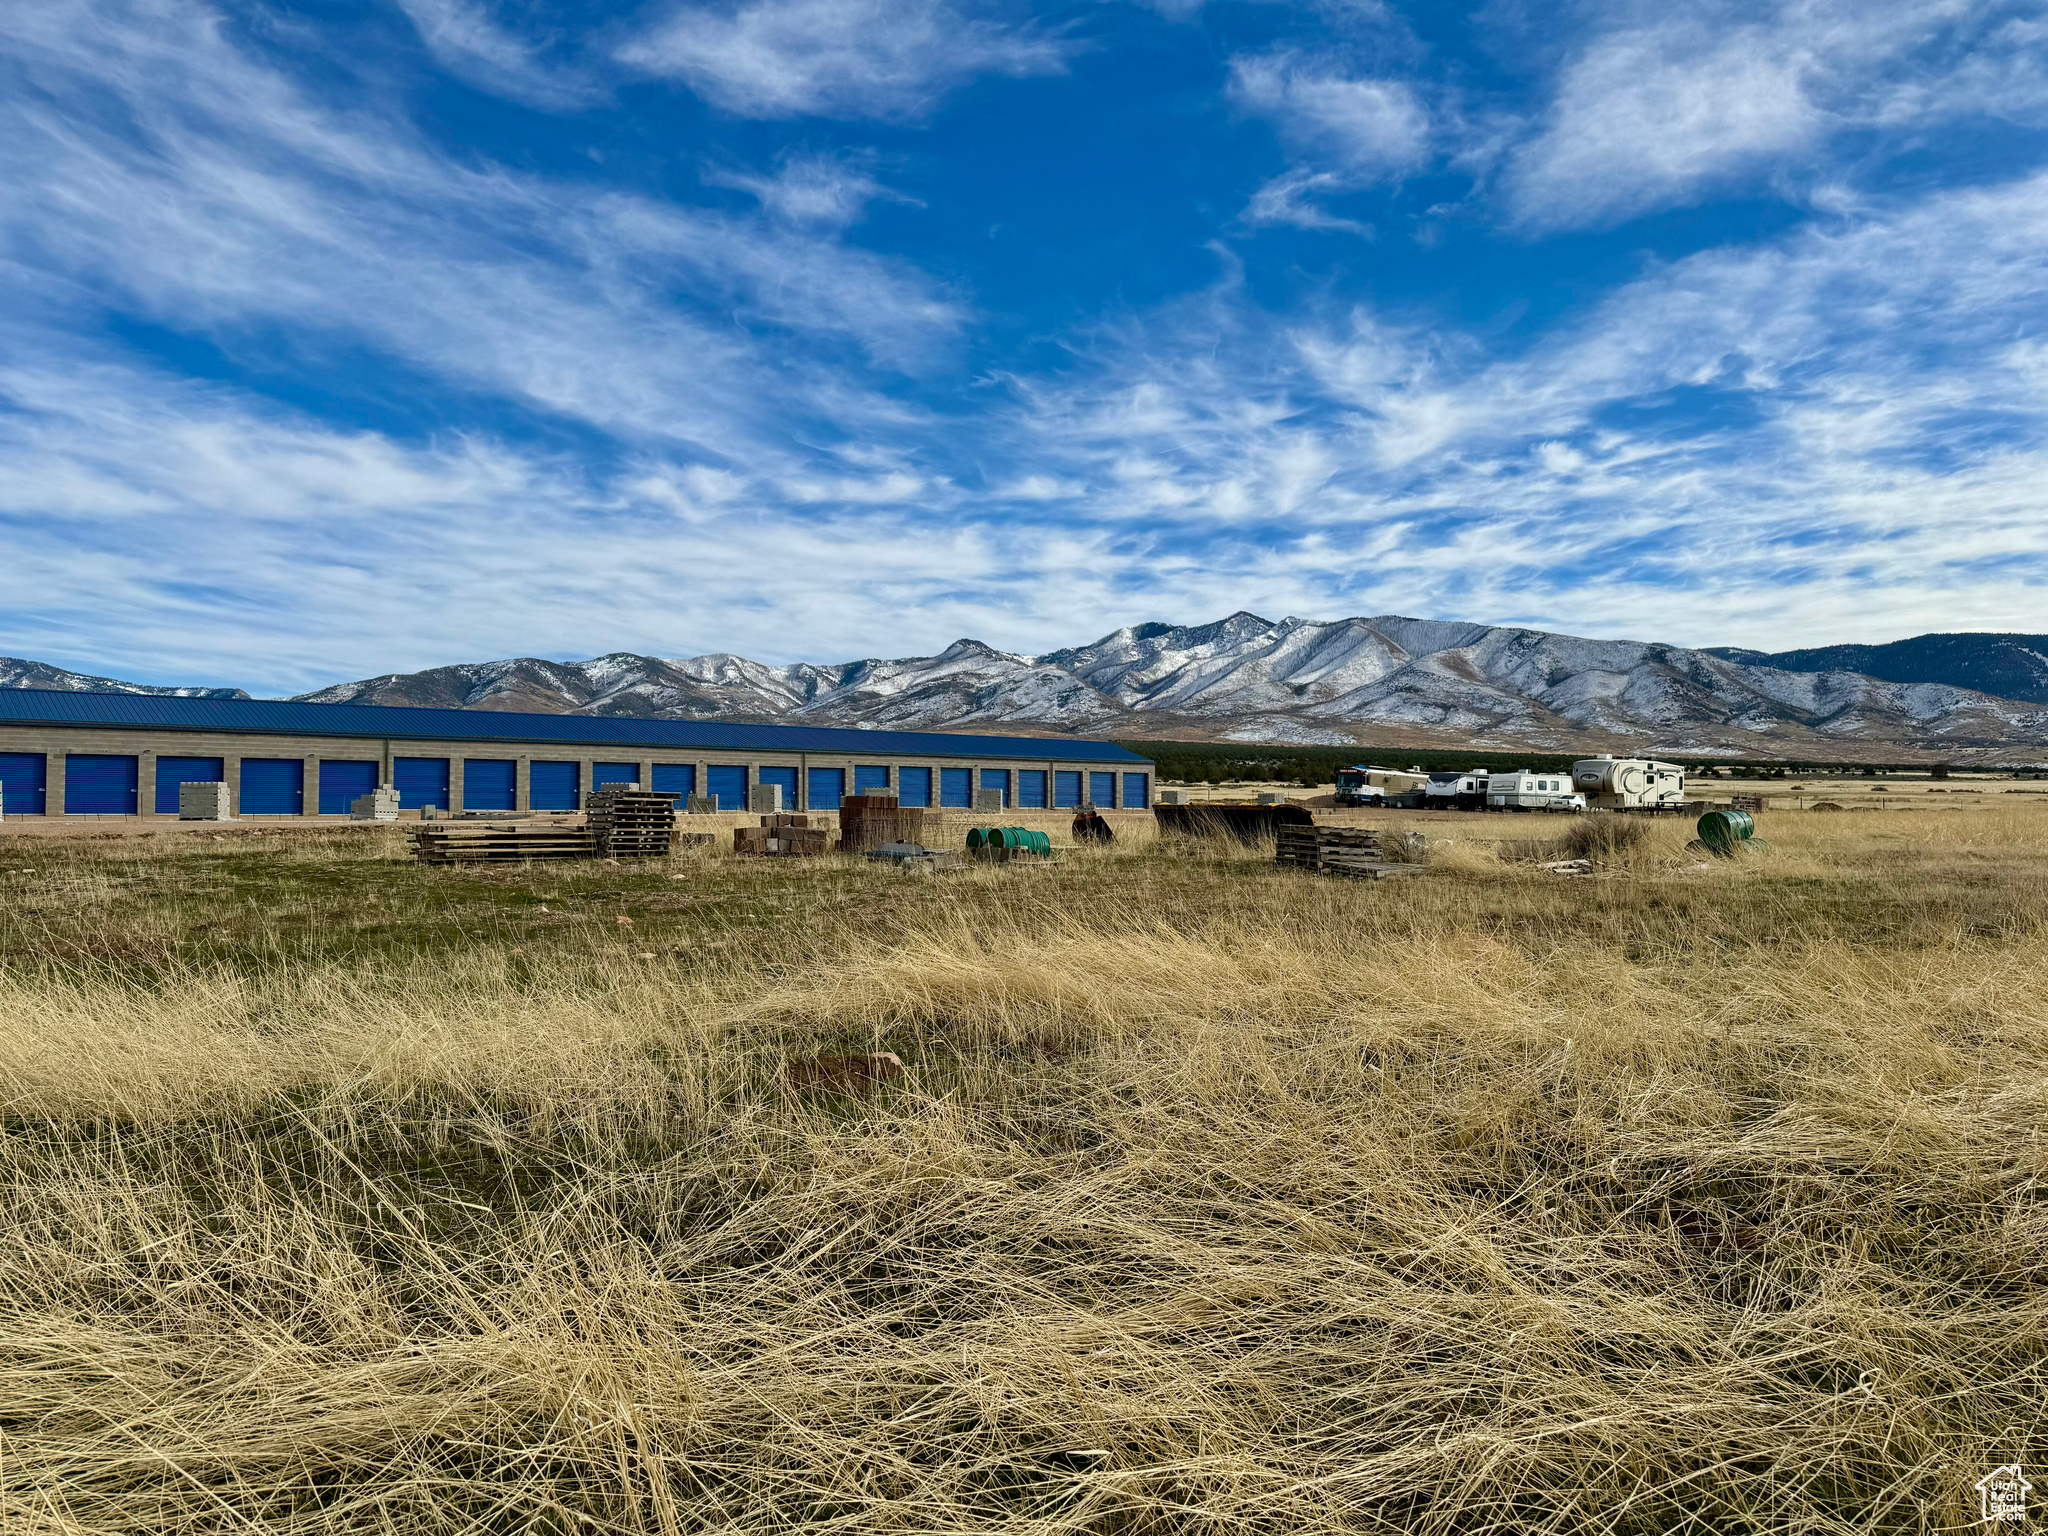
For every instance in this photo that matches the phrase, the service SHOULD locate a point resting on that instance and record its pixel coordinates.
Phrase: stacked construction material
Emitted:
(786, 835)
(631, 823)
(199, 801)
(868, 821)
(379, 804)
(1360, 852)
(453, 843)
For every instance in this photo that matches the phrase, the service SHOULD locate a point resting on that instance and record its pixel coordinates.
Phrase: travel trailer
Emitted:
(1612, 783)
(1526, 791)
(1454, 791)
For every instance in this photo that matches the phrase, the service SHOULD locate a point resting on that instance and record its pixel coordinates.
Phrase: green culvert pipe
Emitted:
(1015, 838)
(1726, 831)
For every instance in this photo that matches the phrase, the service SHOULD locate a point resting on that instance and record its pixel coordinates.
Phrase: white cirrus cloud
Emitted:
(1366, 128)
(1643, 118)
(819, 190)
(888, 59)
(469, 41)
(1841, 428)
(159, 170)
(1289, 198)
(1657, 108)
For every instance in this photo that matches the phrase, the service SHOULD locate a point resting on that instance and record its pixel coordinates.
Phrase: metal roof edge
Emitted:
(436, 723)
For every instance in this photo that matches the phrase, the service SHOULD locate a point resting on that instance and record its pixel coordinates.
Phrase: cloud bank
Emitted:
(297, 381)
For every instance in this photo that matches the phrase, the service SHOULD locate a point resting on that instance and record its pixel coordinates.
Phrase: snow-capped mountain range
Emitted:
(1246, 678)
(16, 673)
(1386, 680)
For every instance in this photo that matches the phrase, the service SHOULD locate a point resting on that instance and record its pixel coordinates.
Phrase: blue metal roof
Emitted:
(283, 717)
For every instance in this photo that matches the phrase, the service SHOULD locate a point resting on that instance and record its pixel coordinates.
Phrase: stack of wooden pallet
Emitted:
(1360, 852)
(452, 843)
(632, 823)
(786, 834)
(866, 822)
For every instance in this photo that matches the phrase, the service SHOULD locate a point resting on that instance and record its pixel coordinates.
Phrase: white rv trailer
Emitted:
(1612, 783)
(1454, 791)
(1527, 791)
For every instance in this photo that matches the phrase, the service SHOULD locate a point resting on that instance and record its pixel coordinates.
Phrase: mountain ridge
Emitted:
(18, 672)
(1388, 679)
(2004, 665)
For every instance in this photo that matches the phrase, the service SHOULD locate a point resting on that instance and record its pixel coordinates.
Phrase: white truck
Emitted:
(1524, 790)
(1612, 783)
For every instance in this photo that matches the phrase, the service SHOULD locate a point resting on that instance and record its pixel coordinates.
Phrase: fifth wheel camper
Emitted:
(1612, 783)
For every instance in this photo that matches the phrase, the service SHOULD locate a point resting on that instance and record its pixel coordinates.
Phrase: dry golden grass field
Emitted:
(344, 1195)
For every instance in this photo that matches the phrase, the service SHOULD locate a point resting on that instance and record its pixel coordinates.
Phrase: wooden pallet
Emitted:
(632, 823)
(1362, 853)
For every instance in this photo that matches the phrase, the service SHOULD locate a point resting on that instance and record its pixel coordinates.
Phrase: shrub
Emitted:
(1602, 837)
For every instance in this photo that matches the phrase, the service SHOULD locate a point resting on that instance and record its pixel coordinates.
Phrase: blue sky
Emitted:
(340, 338)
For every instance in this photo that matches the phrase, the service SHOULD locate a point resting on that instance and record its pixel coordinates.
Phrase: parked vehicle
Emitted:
(1527, 791)
(1612, 783)
(1454, 791)
(1355, 788)
(1392, 784)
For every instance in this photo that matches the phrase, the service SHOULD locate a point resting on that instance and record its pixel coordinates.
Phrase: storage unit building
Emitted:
(119, 754)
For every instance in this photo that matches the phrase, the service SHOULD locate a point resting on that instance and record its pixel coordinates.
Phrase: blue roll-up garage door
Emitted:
(173, 771)
(99, 786)
(342, 784)
(1137, 790)
(956, 786)
(728, 786)
(420, 781)
(784, 779)
(914, 786)
(869, 779)
(997, 779)
(273, 786)
(490, 784)
(1066, 790)
(1102, 789)
(675, 779)
(24, 779)
(824, 789)
(552, 786)
(602, 774)
(1031, 789)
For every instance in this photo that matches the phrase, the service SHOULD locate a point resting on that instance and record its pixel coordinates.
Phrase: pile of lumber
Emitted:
(1360, 852)
(783, 835)
(1245, 823)
(867, 822)
(916, 859)
(452, 843)
(631, 823)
